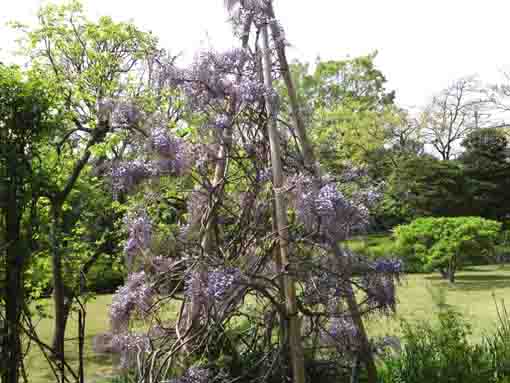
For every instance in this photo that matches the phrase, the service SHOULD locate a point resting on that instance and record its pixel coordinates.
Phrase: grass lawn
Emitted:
(97, 321)
(472, 295)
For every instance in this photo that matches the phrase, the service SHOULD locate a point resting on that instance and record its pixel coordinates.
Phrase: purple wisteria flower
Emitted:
(127, 174)
(221, 282)
(176, 155)
(352, 172)
(128, 345)
(221, 121)
(339, 215)
(126, 114)
(135, 296)
(380, 292)
(195, 286)
(327, 209)
(211, 78)
(388, 266)
(343, 334)
(369, 196)
(139, 232)
(209, 287)
(250, 91)
(264, 175)
(194, 375)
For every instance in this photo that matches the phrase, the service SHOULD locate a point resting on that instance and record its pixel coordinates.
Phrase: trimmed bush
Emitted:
(445, 243)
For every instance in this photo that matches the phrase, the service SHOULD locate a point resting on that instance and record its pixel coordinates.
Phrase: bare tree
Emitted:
(498, 96)
(454, 113)
(406, 133)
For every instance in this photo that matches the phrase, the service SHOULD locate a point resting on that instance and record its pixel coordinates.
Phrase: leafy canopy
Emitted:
(437, 242)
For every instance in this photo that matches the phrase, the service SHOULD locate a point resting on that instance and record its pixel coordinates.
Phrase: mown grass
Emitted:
(419, 294)
(97, 366)
(473, 295)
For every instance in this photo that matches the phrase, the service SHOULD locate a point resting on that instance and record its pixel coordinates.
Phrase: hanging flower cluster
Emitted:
(380, 292)
(212, 286)
(139, 232)
(127, 174)
(326, 210)
(342, 333)
(194, 375)
(135, 296)
(221, 282)
(176, 156)
(128, 345)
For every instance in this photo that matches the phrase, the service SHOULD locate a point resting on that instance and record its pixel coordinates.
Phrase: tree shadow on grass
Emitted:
(476, 282)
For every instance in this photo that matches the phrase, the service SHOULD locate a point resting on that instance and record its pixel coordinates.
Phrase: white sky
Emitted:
(422, 44)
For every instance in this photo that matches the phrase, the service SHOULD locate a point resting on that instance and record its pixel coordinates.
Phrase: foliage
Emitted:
(347, 107)
(373, 246)
(474, 185)
(497, 344)
(430, 187)
(88, 66)
(440, 353)
(486, 171)
(488, 144)
(26, 118)
(446, 243)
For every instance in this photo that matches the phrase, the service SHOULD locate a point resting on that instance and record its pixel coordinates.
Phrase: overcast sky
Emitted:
(422, 44)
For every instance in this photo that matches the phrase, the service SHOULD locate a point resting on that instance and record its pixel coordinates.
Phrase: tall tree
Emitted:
(91, 63)
(25, 100)
(347, 108)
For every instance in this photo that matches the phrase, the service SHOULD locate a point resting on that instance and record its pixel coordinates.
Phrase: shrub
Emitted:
(439, 354)
(497, 346)
(373, 246)
(446, 243)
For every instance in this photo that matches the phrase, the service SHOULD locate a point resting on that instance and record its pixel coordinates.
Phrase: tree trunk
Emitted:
(58, 288)
(14, 296)
(451, 274)
(295, 347)
(355, 369)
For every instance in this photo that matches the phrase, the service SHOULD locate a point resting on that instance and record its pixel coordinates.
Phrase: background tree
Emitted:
(445, 244)
(428, 187)
(452, 114)
(486, 170)
(347, 108)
